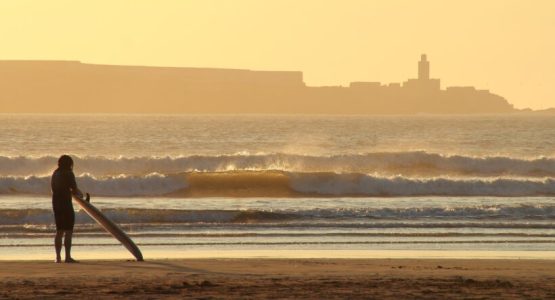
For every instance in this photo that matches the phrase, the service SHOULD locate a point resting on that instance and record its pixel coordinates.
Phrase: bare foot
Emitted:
(70, 261)
(58, 260)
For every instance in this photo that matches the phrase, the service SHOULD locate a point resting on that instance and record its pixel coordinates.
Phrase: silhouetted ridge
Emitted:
(55, 86)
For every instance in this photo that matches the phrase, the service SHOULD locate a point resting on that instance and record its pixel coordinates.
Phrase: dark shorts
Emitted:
(65, 216)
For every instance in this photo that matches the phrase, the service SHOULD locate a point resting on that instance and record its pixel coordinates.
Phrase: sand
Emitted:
(280, 279)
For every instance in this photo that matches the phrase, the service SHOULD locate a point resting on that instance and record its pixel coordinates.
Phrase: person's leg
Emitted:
(58, 245)
(67, 245)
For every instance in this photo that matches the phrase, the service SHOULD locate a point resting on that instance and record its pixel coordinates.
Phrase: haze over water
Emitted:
(516, 136)
(256, 182)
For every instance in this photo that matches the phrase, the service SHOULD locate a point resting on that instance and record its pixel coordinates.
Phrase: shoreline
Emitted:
(255, 278)
(116, 253)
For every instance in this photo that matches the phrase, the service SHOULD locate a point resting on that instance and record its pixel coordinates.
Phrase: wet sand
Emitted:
(280, 279)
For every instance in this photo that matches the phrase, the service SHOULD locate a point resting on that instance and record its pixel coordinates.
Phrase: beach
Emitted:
(280, 279)
(300, 207)
(360, 149)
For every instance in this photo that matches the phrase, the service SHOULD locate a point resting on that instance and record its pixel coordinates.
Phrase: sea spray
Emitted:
(416, 163)
(274, 183)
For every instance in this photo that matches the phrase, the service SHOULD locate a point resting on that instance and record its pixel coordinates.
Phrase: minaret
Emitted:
(423, 68)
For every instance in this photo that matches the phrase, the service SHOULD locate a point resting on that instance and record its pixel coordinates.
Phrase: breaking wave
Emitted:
(149, 185)
(284, 184)
(366, 185)
(417, 163)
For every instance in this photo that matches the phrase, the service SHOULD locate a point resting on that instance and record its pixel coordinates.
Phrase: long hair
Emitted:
(65, 162)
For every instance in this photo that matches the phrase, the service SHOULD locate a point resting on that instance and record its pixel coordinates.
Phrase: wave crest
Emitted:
(149, 185)
(284, 184)
(367, 185)
(417, 163)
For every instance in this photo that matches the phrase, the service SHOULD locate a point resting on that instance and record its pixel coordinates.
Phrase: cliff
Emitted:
(74, 87)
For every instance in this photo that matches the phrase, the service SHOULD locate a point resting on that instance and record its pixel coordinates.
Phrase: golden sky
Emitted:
(507, 46)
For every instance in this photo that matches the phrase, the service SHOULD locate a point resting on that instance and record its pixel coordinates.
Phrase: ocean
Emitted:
(217, 185)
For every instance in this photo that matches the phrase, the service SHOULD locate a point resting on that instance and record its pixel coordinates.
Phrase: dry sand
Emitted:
(281, 278)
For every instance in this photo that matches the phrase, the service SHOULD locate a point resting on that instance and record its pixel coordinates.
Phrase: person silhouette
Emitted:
(63, 187)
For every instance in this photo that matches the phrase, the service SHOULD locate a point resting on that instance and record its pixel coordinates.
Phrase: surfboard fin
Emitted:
(88, 198)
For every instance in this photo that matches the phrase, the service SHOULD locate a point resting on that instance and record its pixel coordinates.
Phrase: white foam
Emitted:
(149, 185)
(390, 163)
(367, 185)
(350, 184)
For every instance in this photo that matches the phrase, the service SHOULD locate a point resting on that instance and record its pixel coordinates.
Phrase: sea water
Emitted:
(351, 186)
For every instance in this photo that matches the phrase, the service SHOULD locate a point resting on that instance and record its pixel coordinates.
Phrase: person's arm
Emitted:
(73, 186)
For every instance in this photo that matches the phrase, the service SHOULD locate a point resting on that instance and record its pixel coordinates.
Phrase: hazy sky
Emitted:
(506, 46)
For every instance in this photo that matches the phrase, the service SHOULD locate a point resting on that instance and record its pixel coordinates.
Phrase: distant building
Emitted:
(423, 83)
(424, 95)
(365, 85)
(423, 68)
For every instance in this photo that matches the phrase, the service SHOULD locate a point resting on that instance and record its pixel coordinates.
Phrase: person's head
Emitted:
(65, 162)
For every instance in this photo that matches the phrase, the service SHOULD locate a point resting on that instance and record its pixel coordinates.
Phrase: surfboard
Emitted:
(109, 226)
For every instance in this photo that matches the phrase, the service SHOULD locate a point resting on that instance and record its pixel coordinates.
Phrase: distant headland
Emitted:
(75, 87)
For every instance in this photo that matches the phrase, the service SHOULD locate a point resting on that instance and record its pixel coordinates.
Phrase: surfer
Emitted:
(63, 187)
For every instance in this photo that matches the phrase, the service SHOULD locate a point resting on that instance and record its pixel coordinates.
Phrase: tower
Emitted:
(423, 68)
